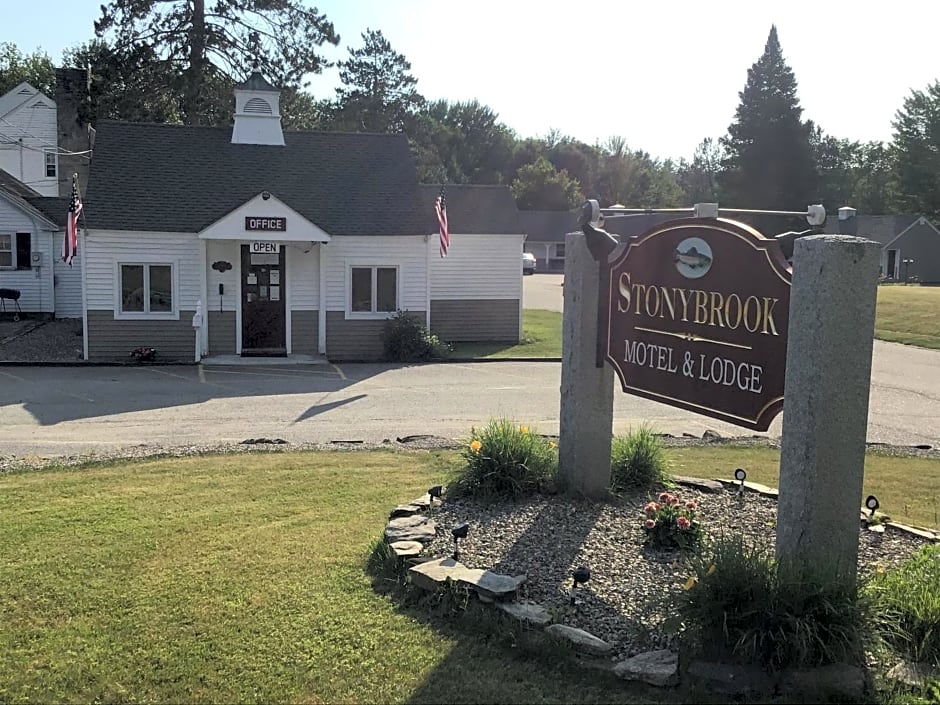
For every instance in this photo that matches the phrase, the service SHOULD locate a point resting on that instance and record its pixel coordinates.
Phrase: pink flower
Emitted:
(673, 501)
(650, 523)
(691, 505)
(651, 508)
(664, 497)
(683, 523)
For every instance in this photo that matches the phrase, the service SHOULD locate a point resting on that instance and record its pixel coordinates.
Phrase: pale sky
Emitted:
(663, 74)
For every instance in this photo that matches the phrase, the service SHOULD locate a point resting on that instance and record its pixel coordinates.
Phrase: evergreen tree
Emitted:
(201, 50)
(916, 163)
(378, 93)
(768, 156)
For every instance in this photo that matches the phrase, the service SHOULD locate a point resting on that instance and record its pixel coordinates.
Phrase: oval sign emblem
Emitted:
(693, 258)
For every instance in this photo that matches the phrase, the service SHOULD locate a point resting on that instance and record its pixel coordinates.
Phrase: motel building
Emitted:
(251, 241)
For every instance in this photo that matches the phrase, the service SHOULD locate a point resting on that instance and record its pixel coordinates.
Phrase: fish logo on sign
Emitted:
(693, 258)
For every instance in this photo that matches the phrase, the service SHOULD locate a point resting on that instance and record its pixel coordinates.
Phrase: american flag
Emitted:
(70, 242)
(440, 207)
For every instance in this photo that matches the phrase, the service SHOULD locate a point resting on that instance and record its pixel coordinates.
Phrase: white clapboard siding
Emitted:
(407, 252)
(34, 123)
(222, 251)
(478, 267)
(303, 276)
(68, 281)
(34, 285)
(104, 249)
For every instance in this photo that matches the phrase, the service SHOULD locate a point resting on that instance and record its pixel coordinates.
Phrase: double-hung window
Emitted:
(146, 289)
(51, 163)
(372, 290)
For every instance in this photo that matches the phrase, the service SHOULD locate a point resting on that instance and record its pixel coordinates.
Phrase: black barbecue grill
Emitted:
(10, 295)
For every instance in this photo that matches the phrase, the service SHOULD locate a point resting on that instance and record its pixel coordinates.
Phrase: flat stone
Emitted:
(728, 678)
(494, 585)
(535, 615)
(836, 682)
(579, 639)
(877, 528)
(912, 674)
(421, 502)
(659, 668)
(752, 486)
(914, 531)
(405, 549)
(712, 486)
(413, 528)
(433, 575)
(406, 510)
(710, 435)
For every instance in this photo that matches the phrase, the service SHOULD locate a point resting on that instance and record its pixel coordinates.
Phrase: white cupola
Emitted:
(257, 113)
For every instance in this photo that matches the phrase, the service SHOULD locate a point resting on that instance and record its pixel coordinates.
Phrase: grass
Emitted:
(541, 337)
(908, 488)
(905, 314)
(908, 314)
(234, 579)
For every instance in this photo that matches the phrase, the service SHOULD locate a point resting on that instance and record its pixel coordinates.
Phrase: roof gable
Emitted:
(15, 97)
(171, 178)
(880, 228)
(264, 206)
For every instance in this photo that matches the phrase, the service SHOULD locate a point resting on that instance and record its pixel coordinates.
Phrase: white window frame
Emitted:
(559, 250)
(372, 315)
(12, 251)
(45, 163)
(146, 315)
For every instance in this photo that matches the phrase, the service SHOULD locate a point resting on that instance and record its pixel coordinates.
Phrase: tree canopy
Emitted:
(197, 49)
(916, 163)
(541, 186)
(16, 67)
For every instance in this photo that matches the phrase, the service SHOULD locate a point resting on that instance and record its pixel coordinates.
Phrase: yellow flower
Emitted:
(711, 569)
(524, 429)
(879, 570)
(690, 583)
(475, 446)
(552, 444)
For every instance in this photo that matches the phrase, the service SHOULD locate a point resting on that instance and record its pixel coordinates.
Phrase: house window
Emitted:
(373, 289)
(6, 250)
(146, 288)
(560, 250)
(50, 164)
(24, 251)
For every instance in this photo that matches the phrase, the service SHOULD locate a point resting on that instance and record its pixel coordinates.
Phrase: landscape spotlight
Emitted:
(580, 576)
(434, 493)
(872, 504)
(740, 475)
(459, 532)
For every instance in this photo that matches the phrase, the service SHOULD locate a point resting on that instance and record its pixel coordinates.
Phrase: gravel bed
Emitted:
(48, 341)
(626, 599)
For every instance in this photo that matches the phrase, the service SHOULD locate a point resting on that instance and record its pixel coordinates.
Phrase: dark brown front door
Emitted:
(263, 318)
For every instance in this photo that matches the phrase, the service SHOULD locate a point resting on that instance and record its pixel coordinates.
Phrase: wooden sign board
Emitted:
(697, 315)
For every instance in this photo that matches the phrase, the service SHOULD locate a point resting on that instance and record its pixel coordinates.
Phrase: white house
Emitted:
(296, 243)
(28, 146)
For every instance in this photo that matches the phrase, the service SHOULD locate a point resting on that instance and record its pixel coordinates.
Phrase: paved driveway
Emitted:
(543, 291)
(51, 410)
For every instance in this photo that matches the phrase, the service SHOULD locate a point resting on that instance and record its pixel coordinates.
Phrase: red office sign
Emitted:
(697, 318)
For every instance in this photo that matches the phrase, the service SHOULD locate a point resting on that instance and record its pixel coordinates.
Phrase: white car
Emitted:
(528, 263)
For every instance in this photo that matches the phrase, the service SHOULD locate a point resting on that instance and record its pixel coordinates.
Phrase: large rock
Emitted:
(433, 575)
(494, 585)
(406, 510)
(728, 679)
(413, 528)
(536, 615)
(579, 639)
(659, 668)
(912, 674)
(837, 682)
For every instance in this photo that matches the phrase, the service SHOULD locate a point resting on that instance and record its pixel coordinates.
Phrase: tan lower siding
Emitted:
(221, 332)
(109, 339)
(475, 320)
(356, 339)
(303, 332)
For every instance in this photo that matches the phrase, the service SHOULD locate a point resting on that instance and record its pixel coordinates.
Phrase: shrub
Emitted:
(741, 603)
(910, 593)
(637, 460)
(504, 460)
(671, 524)
(406, 339)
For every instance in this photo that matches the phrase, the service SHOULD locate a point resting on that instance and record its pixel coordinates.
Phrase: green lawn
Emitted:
(241, 578)
(909, 314)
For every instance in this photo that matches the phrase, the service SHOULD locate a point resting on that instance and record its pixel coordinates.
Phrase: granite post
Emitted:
(587, 391)
(825, 418)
